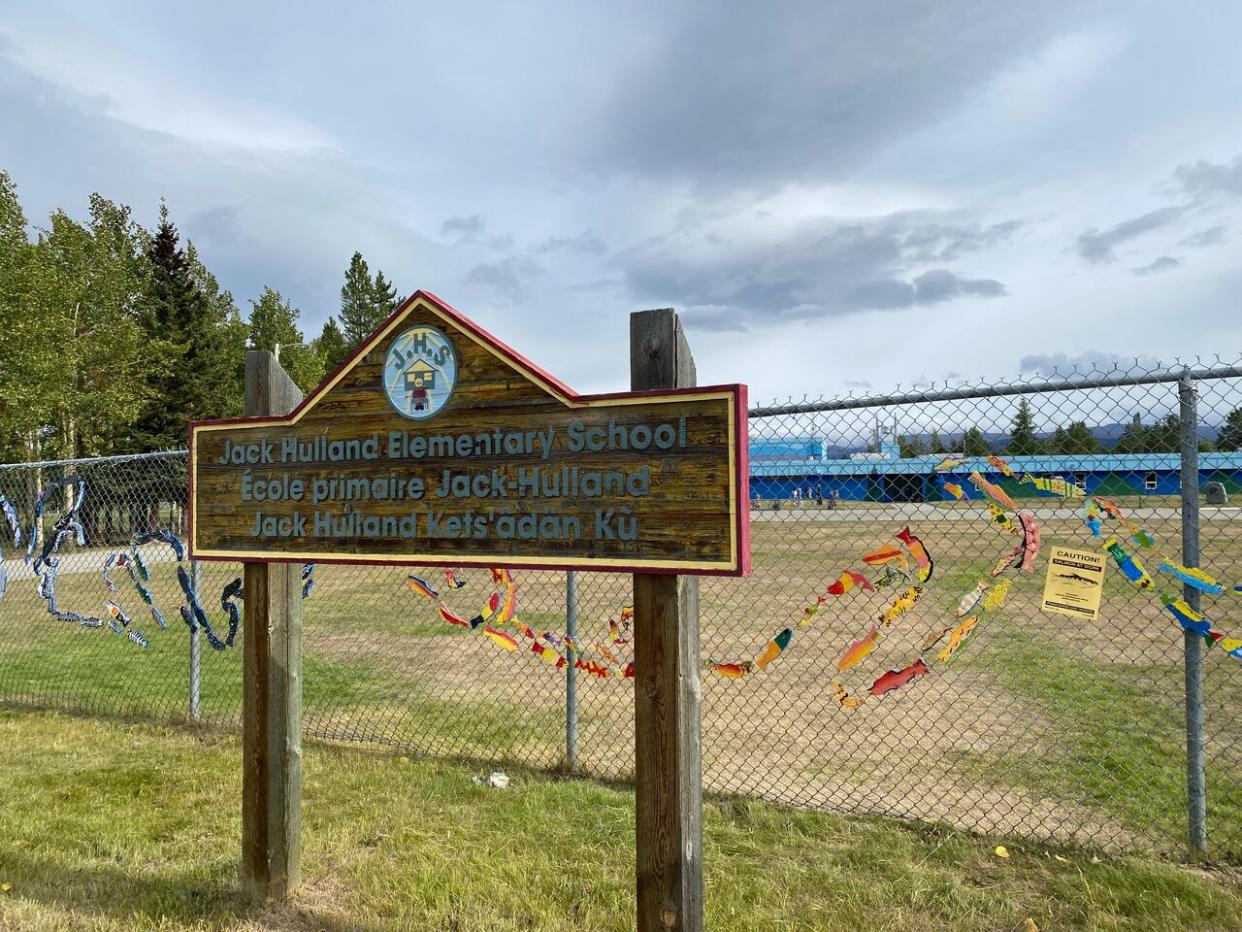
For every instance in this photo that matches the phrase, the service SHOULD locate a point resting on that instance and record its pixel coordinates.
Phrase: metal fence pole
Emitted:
(571, 675)
(196, 578)
(1196, 793)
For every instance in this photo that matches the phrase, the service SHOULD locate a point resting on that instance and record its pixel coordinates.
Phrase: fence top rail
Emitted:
(966, 392)
(98, 460)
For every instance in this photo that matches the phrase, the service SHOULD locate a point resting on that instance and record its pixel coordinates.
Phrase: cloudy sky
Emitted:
(835, 195)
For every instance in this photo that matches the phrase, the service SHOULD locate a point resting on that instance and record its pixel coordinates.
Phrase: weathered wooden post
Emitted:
(271, 687)
(668, 780)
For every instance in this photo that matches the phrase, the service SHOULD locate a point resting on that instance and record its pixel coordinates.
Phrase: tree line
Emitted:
(114, 337)
(1075, 438)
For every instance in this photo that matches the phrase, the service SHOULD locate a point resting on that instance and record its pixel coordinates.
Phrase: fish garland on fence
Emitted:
(10, 515)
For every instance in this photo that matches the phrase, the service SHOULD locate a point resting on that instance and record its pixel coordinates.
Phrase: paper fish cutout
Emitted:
(809, 611)
(1004, 562)
(452, 618)
(1195, 578)
(892, 577)
(1091, 517)
(507, 641)
(1130, 567)
(308, 580)
(1000, 517)
(547, 654)
(948, 463)
(510, 606)
(970, 599)
(902, 604)
(922, 557)
(134, 635)
(614, 631)
(1187, 617)
(844, 699)
(955, 490)
(487, 611)
(895, 679)
(1231, 646)
(1109, 507)
(593, 667)
(627, 612)
(849, 579)
(959, 638)
(607, 655)
(502, 577)
(1000, 465)
(452, 580)
(774, 648)
(1030, 542)
(732, 671)
(422, 587)
(857, 652)
(992, 491)
(882, 555)
(628, 672)
(933, 637)
(1141, 537)
(996, 595)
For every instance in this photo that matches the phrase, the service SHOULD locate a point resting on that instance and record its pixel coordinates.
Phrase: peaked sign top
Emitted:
(434, 443)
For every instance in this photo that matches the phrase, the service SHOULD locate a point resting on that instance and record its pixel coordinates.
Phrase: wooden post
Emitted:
(668, 767)
(271, 687)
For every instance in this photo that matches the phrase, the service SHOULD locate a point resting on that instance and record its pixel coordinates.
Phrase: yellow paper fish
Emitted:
(955, 490)
(949, 463)
(902, 604)
(844, 699)
(997, 594)
(961, 634)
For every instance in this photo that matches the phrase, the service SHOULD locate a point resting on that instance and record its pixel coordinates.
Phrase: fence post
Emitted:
(571, 675)
(1196, 793)
(196, 644)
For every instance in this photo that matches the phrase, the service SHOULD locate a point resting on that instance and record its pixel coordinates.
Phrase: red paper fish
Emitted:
(922, 557)
(453, 619)
(882, 555)
(895, 679)
(849, 579)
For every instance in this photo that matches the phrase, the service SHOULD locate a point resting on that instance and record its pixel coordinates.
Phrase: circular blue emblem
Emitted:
(420, 371)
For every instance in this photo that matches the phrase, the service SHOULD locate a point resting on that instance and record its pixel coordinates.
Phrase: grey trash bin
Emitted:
(1214, 494)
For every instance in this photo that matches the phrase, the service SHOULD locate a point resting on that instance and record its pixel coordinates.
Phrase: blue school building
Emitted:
(801, 468)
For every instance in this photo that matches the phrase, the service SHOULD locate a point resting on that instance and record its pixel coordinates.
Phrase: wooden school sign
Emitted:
(436, 443)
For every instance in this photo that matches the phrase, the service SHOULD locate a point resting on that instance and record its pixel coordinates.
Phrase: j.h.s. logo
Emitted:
(420, 371)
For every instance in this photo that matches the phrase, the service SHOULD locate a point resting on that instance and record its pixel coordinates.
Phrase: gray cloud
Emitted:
(508, 277)
(585, 243)
(800, 91)
(1097, 247)
(471, 230)
(1096, 361)
(1209, 181)
(823, 269)
(1158, 265)
(1212, 236)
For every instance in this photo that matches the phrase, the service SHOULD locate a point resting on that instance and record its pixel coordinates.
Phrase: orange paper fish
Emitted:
(860, 650)
(882, 555)
(844, 699)
(957, 640)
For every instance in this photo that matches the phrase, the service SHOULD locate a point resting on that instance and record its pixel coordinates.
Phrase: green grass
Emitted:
(117, 826)
(1121, 737)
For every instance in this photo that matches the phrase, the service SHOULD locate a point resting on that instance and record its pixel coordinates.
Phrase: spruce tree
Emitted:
(384, 298)
(331, 345)
(274, 327)
(973, 443)
(358, 310)
(1022, 440)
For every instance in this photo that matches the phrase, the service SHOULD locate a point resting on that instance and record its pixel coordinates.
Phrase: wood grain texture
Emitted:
(271, 688)
(689, 519)
(668, 764)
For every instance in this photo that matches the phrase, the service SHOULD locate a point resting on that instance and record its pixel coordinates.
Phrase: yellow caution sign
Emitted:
(1075, 583)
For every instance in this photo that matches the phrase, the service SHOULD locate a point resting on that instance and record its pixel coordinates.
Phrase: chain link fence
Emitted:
(1041, 726)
